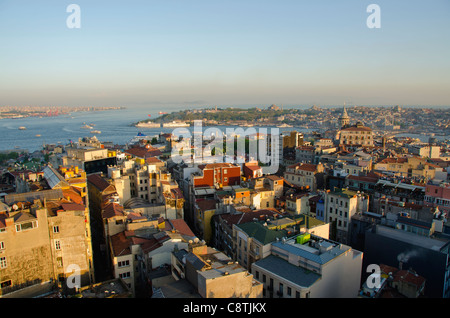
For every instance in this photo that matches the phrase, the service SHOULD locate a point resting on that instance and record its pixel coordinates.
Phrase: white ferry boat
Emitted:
(176, 124)
(148, 125)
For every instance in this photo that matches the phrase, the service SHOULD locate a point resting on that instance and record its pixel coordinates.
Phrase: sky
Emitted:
(224, 52)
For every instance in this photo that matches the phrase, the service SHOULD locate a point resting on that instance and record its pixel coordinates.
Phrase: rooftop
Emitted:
(286, 270)
(316, 249)
(411, 238)
(261, 233)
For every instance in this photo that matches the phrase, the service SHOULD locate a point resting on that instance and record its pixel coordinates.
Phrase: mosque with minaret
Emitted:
(356, 135)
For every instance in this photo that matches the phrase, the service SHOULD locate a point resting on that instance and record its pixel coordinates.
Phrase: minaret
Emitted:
(344, 120)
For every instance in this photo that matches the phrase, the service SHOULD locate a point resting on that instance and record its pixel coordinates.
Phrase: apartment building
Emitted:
(252, 240)
(437, 194)
(409, 167)
(305, 175)
(356, 135)
(44, 242)
(309, 266)
(215, 275)
(340, 206)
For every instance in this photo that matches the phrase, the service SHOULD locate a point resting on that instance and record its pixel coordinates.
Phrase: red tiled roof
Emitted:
(98, 181)
(112, 209)
(363, 178)
(2, 220)
(143, 152)
(139, 152)
(120, 244)
(394, 160)
(207, 204)
(72, 207)
(176, 193)
(409, 277)
(181, 226)
(73, 196)
(149, 245)
(304, 166)
(152, 160)
(253, 167)
(360, 128)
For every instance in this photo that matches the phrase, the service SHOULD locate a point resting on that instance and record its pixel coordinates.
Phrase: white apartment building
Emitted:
(308, 266)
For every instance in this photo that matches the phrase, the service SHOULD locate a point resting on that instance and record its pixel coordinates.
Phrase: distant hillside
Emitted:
(221, 115)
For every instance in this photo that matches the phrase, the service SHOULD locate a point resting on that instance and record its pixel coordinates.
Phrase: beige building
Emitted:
(356, 135)
(44, 243)
(408, 167)
(339, 207)
(308, 266)
(304, 175)
(215, 275)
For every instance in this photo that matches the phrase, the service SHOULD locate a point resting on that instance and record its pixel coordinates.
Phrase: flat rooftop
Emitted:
(422, 241)
(286, 270)
(317, 250)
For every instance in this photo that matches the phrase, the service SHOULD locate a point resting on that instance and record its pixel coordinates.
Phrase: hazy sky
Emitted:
(214, 52)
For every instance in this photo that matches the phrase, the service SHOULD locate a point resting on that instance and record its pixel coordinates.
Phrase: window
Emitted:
(297, 294)
(56, 229)
(57, 245)
(289, 291)
(26, 226)
(6, 283)
(2, 245)
(59, 261)
(124, 263)
(3, 262)
(264, 278)
(125, 275)
(257, 275)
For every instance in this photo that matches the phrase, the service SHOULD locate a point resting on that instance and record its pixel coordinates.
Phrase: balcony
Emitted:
(254, 255)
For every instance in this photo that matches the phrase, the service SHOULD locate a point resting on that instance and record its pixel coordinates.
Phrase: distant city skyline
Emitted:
(203, 53)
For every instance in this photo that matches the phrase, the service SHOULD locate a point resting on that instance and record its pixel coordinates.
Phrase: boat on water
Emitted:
(38, 135)
(284, 126)
(96, 132)
(176, 124)
(87, 127)
(148, 125)
(141, 136)
(162, 113)
(22, 128)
